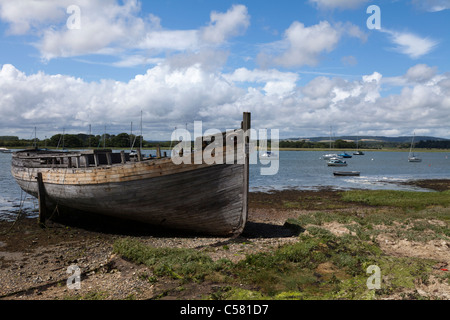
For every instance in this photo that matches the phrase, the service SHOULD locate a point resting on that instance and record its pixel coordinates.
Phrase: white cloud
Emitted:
(224, 25)
(432, 5)
(410, 44)
(245, 75)
(25, 16)
(420, 73)
(172, 96)
(303, 45)
(113, 28)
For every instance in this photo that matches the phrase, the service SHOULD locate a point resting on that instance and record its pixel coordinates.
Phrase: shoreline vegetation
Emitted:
(279, 149)
(131, 141)
(297, 245)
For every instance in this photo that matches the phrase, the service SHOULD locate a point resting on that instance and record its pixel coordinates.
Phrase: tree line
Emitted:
(125, 141)
(121, 140)
(338, 144)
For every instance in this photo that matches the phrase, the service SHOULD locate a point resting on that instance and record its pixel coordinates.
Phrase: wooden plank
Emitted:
(41, 200)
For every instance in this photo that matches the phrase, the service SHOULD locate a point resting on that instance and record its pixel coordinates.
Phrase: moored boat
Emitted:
(207, 196)
(344, 155)
(412, 157)
(346, 173)
(268, 155)
(335, 162)
(330, 156)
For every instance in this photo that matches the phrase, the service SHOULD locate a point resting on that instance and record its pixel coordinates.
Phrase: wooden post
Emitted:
(158, 151)
(246, 128)
(41, 199)
(122, 157)
(108, 158)
(139, 155)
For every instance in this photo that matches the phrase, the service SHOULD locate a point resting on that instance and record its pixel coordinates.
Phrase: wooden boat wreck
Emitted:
(203, 197)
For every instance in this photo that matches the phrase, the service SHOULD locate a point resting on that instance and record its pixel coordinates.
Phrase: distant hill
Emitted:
(373, 139)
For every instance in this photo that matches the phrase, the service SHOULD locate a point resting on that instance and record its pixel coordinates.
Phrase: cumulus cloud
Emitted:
(420, 73)
(303, 45)
(172, 96)
(113, 28)
(411, 44)
(224, 25)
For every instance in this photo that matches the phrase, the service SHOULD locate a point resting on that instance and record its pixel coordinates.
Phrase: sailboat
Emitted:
(330, 155)
(412, 157)
(358, 152)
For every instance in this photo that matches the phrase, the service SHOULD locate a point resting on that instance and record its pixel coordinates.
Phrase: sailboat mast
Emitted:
(141, 132)
(331, 129)
(412, 143)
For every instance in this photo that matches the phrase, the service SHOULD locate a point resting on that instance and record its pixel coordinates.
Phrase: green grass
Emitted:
(398, 199)
(184, 264)
(320, 265)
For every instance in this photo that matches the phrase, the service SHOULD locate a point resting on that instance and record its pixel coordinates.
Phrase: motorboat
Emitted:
(336, 162)
(330, 156)
(345, 155)
(346, 173)
(268, 155)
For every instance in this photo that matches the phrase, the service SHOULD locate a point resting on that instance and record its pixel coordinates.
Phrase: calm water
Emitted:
(297, 169)
(379, 170)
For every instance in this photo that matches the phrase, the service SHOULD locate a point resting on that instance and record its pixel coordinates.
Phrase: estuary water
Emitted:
(302, 170)
(379, 170)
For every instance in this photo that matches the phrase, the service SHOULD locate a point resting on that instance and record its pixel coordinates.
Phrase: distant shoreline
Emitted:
(282, 149)
(363, 150)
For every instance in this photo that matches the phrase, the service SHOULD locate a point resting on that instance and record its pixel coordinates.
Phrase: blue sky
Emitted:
(298, 66)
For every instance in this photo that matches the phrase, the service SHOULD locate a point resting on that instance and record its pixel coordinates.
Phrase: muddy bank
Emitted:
(436, 185)
(34, 261)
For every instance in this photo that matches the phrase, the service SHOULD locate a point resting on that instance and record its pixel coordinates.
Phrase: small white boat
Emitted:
(5, 150)
(330, 156)
(268, 155)
(335, 162)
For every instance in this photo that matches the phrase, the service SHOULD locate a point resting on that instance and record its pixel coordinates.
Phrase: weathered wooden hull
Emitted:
(206, 198)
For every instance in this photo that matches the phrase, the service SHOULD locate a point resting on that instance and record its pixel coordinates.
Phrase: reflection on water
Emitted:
(297, 170)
